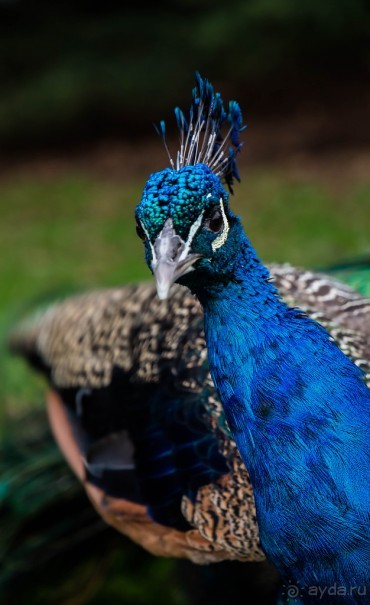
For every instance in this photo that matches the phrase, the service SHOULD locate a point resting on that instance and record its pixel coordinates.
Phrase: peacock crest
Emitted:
(211, 134)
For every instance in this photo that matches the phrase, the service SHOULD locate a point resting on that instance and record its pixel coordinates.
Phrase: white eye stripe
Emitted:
(221, 239)
(193, 229)
(154, 256)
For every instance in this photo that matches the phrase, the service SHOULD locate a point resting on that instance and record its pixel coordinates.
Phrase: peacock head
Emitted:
(184, 219)
(189, 232)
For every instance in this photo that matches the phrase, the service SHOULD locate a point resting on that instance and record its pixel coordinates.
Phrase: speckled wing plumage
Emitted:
(324, 295)
(133, 369)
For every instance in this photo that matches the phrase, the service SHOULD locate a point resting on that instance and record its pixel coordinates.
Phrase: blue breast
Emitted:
(298, 409)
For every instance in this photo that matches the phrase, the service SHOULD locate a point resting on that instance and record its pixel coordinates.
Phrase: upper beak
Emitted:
(171, 260)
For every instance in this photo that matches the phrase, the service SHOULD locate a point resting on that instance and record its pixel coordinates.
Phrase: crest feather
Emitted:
(201, 136)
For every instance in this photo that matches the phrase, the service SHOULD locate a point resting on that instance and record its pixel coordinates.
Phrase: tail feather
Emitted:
(355, 273)
(54, 548)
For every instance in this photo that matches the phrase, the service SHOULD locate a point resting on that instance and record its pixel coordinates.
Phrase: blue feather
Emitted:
(181, 120)
(161, 129)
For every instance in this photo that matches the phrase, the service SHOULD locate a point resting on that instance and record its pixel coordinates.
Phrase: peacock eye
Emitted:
(215, 221)
(140, 231)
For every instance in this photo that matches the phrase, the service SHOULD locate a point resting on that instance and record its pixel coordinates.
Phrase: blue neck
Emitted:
(249, 332)
(295, 406)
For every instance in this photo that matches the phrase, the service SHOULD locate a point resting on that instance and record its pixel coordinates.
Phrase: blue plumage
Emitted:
(297, 407)
(299, 412)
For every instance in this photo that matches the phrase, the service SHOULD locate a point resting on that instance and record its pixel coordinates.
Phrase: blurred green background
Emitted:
(81, 83)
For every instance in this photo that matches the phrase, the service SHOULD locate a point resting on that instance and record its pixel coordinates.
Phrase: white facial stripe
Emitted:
(193, 229)
(154, 256)
(221, 239)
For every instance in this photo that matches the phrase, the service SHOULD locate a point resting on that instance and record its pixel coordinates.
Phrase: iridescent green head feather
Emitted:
(178, 194)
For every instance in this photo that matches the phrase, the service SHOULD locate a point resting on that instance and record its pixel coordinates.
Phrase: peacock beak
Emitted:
(171, 259)
(166, 272)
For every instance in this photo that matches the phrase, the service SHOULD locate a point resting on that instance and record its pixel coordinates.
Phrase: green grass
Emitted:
(76, 232)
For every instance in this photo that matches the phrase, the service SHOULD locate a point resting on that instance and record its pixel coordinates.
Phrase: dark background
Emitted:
(72, 71)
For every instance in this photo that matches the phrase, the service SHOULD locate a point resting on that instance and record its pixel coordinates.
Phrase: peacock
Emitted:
(296, 405)
(132, 403)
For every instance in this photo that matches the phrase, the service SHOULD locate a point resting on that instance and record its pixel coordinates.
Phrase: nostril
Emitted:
(175, 248)
(168, 245)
